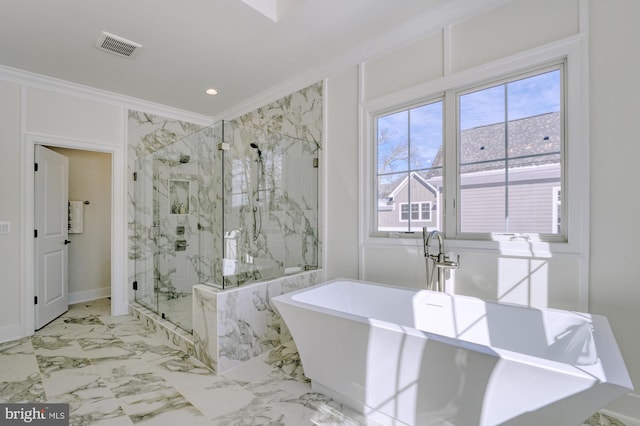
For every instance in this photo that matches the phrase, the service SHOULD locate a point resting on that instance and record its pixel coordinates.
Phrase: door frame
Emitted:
(119, 295)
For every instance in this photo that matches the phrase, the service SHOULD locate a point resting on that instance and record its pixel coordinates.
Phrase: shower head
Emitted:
(255, 146)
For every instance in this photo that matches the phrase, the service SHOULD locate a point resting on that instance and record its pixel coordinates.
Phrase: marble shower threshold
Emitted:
(170, 331)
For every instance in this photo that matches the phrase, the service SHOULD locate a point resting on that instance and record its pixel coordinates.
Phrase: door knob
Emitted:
(67, 242)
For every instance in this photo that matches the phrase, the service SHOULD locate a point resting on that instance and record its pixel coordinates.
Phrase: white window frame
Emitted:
(544, 68)
(573, 51)
(555, 203)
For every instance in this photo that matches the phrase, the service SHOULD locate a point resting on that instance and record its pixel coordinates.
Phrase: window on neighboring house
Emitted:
(404, 212)
(417, 212)
(409, 165)
(425, 213)
(507, 141)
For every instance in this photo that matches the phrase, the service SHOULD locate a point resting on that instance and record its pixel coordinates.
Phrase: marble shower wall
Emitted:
(184, 213)
(148, 134)
(298, 115)
(271, 192)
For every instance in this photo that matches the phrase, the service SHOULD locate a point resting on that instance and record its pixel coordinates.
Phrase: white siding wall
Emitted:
(530, 208)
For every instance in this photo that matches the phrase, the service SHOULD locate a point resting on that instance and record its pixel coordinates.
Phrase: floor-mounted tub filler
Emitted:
(413, 357)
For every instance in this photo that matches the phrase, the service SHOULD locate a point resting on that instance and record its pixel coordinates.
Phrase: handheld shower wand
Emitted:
(257, 217)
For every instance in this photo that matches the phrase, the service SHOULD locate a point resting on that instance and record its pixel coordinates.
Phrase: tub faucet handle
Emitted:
(449, 264)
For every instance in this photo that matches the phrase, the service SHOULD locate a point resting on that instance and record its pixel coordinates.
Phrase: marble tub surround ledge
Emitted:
(233, 326)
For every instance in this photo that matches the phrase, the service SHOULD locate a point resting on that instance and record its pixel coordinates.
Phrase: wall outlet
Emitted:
(5, 227)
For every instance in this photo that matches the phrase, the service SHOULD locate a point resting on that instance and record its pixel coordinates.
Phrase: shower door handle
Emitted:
(153, 232)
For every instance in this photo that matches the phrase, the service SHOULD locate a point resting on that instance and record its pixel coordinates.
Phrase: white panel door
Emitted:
(52, 238)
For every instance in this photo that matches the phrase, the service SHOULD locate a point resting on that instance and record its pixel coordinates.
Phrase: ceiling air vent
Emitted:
(118, 45)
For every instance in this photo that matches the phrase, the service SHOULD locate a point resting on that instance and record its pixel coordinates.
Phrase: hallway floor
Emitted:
(115, 371)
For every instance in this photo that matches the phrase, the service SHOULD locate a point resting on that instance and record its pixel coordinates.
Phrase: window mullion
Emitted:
(450, 172)
(409, 168)
(506, 158)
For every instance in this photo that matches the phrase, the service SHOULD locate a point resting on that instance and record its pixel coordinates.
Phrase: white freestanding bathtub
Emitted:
(412, 357)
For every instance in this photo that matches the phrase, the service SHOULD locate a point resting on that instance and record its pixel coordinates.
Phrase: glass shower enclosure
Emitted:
(225, 206)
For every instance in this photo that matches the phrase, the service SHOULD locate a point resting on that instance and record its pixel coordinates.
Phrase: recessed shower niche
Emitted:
(179, 196)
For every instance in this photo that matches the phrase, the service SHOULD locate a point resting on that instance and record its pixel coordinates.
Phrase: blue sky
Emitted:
(526, 97)
(423, 124)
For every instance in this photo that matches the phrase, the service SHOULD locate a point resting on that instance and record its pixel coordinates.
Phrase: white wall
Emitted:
(517, 26)
(61, 115)
(341, 159)
(614, 229)
(615, 198)
(90, 251)
(10, 209)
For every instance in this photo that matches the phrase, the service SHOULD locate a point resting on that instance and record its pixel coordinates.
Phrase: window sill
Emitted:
(515, 248)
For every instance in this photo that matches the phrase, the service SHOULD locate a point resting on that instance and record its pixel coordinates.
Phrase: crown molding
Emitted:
(39, 81)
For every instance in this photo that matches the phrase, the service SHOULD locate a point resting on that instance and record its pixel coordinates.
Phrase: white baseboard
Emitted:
(87, 295)
(10, 332)
(626, 409)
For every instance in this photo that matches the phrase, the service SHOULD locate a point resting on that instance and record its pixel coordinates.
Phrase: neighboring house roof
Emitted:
(418, 179)
(529, 137)
(535, 135)
(388, 200)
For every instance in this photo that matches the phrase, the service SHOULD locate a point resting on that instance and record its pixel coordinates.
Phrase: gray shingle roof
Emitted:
(535, 135)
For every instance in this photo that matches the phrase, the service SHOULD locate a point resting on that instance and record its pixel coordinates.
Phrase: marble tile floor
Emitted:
(115, 371)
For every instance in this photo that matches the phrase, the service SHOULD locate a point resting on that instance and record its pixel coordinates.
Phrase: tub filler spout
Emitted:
(439, 262)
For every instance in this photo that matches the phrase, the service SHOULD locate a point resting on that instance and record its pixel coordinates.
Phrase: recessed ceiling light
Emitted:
(211, 92)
